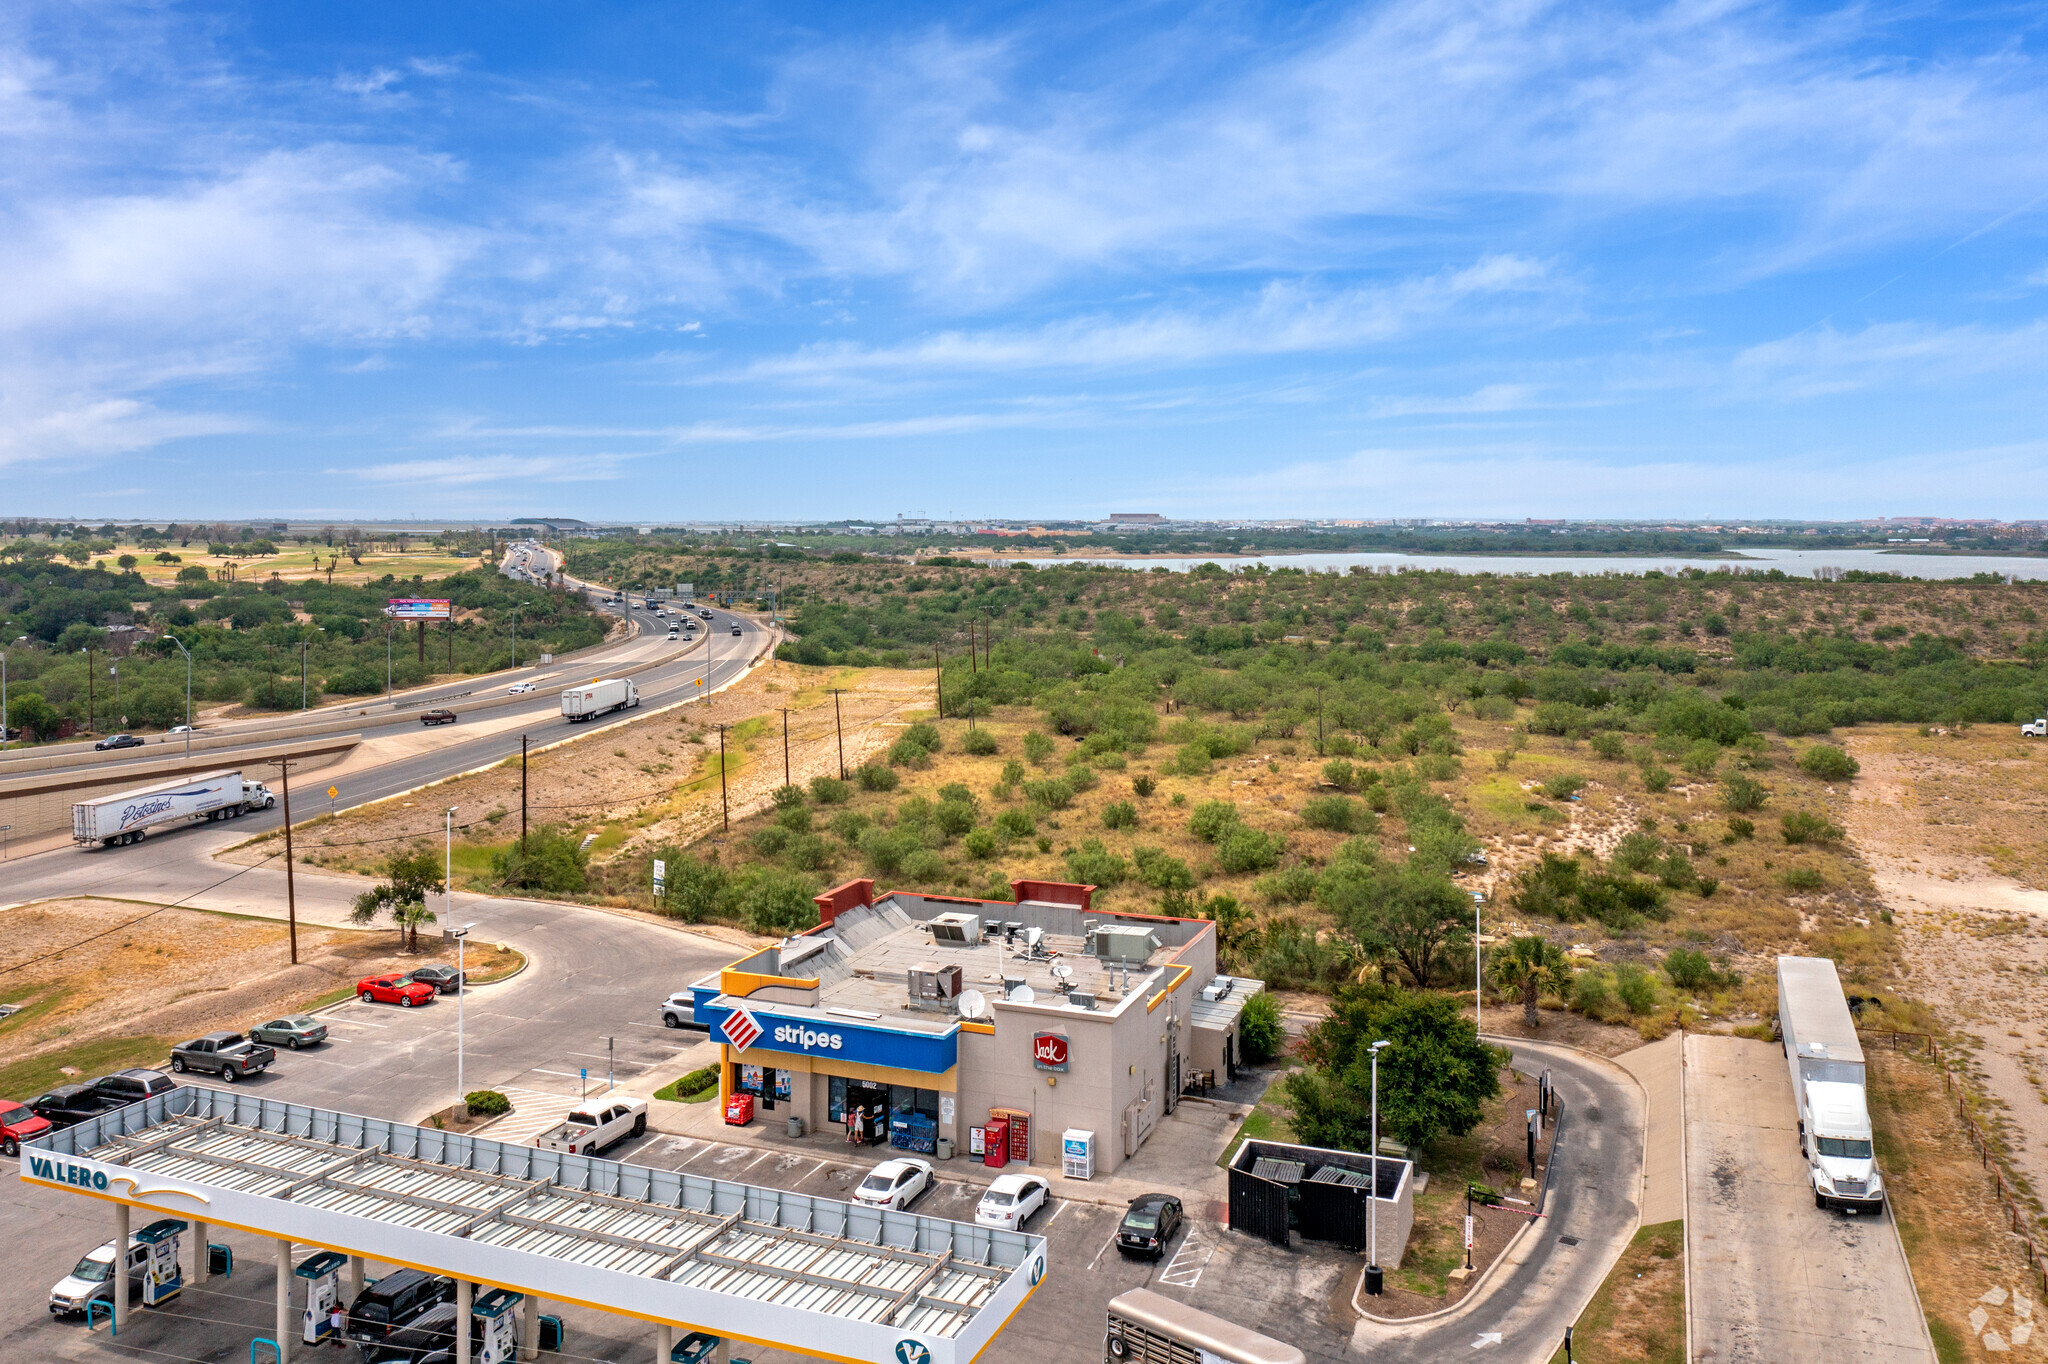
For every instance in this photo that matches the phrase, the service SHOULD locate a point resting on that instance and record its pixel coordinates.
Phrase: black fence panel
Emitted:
(1333, 1212)
(1258, 1206)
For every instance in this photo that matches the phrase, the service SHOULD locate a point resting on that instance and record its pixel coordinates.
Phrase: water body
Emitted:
(1800, 563)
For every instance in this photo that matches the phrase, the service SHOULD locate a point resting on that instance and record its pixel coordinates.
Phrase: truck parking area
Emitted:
(1772, 1278)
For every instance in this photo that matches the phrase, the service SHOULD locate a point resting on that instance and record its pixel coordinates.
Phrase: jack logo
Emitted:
(741, 1029)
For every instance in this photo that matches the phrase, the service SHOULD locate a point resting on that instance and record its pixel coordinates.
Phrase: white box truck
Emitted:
(1826, 1062)
(126, 815)
(599, 697)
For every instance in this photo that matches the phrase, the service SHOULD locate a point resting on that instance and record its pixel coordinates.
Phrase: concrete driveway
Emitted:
(1773, 1278)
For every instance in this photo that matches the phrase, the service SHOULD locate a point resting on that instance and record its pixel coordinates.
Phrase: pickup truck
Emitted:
(226, 1054)
(588, 1131)
(2035, 729)
(18, 1123)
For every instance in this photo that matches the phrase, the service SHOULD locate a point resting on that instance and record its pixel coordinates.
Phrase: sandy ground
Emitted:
(1937, 817)
(143, 970)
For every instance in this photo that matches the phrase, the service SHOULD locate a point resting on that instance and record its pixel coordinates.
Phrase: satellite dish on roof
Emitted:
(1062, 972)
(973, 1004)
(1023, 994)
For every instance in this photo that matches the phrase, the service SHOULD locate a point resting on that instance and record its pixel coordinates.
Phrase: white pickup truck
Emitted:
(2035, 729)
(587, 1131)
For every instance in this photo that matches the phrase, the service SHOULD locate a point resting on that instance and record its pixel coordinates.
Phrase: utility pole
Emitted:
(188, 693)
(973, 651)
(90, 708)
(291, 898)
(724, 809)
(1319, 722)
(522, 793)
(785, 746)
(939, 676)
(840, 728)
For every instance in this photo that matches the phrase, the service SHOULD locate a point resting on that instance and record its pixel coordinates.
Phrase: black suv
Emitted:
(429, 1339)
(69, 1104)
(395, 1302)
(129, 1086)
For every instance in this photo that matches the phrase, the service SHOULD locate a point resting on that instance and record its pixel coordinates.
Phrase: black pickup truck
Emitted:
(226, 1054)
(68, 1104)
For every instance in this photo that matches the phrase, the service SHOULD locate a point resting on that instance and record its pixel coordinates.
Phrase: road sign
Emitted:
(660, 876)
(333, 792)
(1468, 1231)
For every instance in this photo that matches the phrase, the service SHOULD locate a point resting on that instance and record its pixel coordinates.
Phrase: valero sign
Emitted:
(59, 1171)
(1049, 1051)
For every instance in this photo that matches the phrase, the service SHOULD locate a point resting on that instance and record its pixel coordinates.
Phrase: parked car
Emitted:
(395, 1302)
(679, 1010)
(429, 1339)
(894, 1184)
(587, 1131)
(18, 1123)
(92, 1279)
(1011, 1200)
(520, 687)
(1149, 1223)
(226, 1054)
(133, 1084)
(300, 1030)
(401, 990)
(117, 741)
(445, 979)
(439, 716)
(68, 1104)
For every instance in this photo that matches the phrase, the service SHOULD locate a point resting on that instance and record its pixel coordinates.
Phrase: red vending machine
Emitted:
(739, 1110)
(997, 1143)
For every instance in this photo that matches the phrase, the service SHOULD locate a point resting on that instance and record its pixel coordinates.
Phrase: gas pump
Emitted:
(493, 1311)
(161, 1276)
(322, 1274)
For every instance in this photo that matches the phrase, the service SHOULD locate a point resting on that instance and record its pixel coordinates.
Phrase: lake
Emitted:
(1800, 563)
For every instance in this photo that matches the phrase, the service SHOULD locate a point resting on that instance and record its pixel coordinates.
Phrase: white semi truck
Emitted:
(1826, 1062)
(601, 696)
(126, 816)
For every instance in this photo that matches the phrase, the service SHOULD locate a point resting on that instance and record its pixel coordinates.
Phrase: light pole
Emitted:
(3, 701)
(188, 690)
(1478, 962)
(3, 841)
(515, 630)
(387, 658)
(461, 936)
(1374, 1280)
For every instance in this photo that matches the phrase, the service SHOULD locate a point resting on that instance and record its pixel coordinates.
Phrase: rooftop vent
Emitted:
(1125, 943)
(933, 984)
(1081, 999)
(957, 930)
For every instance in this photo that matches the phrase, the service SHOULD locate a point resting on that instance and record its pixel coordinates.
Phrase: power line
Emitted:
(132, 922)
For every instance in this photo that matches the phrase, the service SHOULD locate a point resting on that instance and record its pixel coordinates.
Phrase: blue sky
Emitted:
(666, 261)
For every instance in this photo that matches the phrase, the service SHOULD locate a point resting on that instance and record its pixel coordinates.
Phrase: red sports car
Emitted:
(393, 990)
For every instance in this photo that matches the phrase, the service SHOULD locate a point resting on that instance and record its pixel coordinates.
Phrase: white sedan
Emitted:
(894, 1184)
(520, 687)
(1010, 1201)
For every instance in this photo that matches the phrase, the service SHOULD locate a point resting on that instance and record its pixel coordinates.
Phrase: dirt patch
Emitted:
(1965, 1258)
(1638, 1316)
(132, 970)
(1558, 1025)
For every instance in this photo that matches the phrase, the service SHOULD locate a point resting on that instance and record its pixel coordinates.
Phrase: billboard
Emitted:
(416, 608)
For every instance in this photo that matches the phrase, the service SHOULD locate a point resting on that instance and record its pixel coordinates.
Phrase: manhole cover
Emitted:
(1567, 1240)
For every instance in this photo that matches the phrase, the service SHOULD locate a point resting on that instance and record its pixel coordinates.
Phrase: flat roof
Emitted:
(850, 1282)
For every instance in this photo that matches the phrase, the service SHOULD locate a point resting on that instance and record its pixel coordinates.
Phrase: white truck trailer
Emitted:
(126, 816)
(1826, 1061)
(601, 696)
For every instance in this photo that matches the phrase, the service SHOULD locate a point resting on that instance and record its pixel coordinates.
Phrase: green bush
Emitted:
(795, 818)
(1340, 774)
(770, 841)
(1143, 785)
(1161, 871)
(547, 860)
(925, 735)
(1689, 969)
(1636, 988)
(1290, 885)
(1016, 824)
(1038, 748)
(875, 777)
(907, 752)
(1829, 763)
(1339, 814)
(1741, 794)
(807, 852)
(1243, 848)
(775, 901)
(1054, 793)
(1120, 815)
(1211, 818)
(1564, 785)
(1093, 864)
(981, 743)
(1740, 828)
(487, 1103)
(1592, 994)
(924, 868)
(1610, 746)
(1637, 851)
(1804, 826)
(847, 824)
(830, 791)
(981, 843)
(695, 889)
(789, 797)
(885, 851)
(1803, 878)
(1656, 780)
(954, 818)
(690, 1086)
(1260, 1028)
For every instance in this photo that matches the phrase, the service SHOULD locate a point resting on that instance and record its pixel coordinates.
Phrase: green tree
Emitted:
(32, 714)
(1410, 914)
(1435, 1077)
(1260, 1028)
(548, 859)
(1527, 966)
(409, 878)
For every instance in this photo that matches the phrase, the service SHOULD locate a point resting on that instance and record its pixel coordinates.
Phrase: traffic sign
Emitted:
(333, 792)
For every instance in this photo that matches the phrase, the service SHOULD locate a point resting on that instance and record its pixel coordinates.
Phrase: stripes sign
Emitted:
(740, 1029)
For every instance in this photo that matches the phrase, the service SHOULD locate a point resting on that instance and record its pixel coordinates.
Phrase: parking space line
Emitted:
(755, 1161)
(815, 1168)
(1059, 1206)
(1105, 1246)
(538, 1070)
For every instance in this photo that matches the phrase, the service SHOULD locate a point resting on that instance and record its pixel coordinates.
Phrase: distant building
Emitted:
(1136, 519)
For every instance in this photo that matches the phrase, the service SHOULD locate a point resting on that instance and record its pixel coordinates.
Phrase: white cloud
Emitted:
(1491, 398)
(1822, 361)
(454, 471)
(370, 83)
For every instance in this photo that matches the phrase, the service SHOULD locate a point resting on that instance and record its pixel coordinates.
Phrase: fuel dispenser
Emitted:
(161, 1276)
(498, 1325)
(322, 1274)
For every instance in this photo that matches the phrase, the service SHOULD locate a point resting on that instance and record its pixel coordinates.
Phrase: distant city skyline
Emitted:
(638, 263)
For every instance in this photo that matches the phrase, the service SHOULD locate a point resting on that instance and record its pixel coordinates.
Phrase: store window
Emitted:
(904, 1099)
(836, 1104)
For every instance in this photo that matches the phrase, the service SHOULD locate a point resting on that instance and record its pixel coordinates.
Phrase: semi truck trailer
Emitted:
(126, 816)
(1826, 1061)
(600, 696)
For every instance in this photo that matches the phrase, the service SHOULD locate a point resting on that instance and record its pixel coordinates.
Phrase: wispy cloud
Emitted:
(456, 471)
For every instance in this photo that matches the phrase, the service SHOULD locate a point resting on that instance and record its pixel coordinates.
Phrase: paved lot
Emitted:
(1774, 1278)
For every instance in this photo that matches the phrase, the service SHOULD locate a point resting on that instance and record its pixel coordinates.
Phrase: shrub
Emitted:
(1741, 794)
(1054, 793)
(1290, 885)
(1675, 870)
(848, 824)
(796, 818)
(1609, 745)
(1340, 774)
(907, 752)
(1143, 785)
(770, 841)
(1656, 779)
(953, 818)
(925, 735)
(775, 901)
(1260, 1029)
(1564, 785)
(981, 743)
(1740, 828)
(1162, 872)
(1191, 760)
(691, 1085)
(1635, 987)
(1016, 824)
(1120, 815)
(1339, 814)
(1804, 826)
(1292, 957)
(1093, 864)
(807, 852)
(695, 889)
(1038, 748)
(1803, 878)
(547, 859)
(1592, 994)
(874, 777)
(789, 797)
(487, 1103)
(924, 867)
(885, 851)
(1013, 773)
(1637, 851)
(1702, 756)
(981, 843)
(830, 791)
(1209, 819)
(1689, 969)
(1243, 848)
(1829, 763)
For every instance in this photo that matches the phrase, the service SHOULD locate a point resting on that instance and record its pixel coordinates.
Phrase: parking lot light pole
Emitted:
(3, 841)
(1372, 1207)
(461, 989)
(188, 691)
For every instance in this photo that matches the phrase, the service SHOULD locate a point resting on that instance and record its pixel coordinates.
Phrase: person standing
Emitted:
(337, 1326)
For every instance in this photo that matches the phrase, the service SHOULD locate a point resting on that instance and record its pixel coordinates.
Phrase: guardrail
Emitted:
(430, 700)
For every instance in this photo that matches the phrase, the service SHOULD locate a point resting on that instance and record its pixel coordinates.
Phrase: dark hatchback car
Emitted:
(445, 979)
(1149, 1223)
(394, 1302)
(117, 741)
(69, 1104)
(437, 717)
(128, 1086)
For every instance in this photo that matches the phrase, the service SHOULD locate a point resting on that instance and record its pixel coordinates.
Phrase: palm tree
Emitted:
(1527, 965)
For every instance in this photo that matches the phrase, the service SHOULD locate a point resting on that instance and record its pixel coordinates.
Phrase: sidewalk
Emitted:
(1656, 1068)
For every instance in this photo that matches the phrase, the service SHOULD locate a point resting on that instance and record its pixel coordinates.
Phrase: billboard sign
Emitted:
(416, 608)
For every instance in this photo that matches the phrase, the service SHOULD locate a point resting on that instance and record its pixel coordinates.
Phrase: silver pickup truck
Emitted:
(226, 1054)
(587, 1131)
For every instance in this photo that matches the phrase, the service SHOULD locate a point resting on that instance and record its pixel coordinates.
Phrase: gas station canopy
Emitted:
(776, 1268)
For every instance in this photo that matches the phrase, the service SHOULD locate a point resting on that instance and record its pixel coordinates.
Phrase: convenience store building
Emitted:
(943, 1021)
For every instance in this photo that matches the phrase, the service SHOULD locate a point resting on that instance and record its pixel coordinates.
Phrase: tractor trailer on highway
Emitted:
(126, 816)
(1826, 1062)
(600, 696)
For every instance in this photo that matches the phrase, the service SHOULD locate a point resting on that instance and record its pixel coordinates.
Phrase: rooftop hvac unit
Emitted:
(957, 930)
(933, 983)
(1218, 988)
(1125, 943)
(1088, 927)
(1081, 999)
